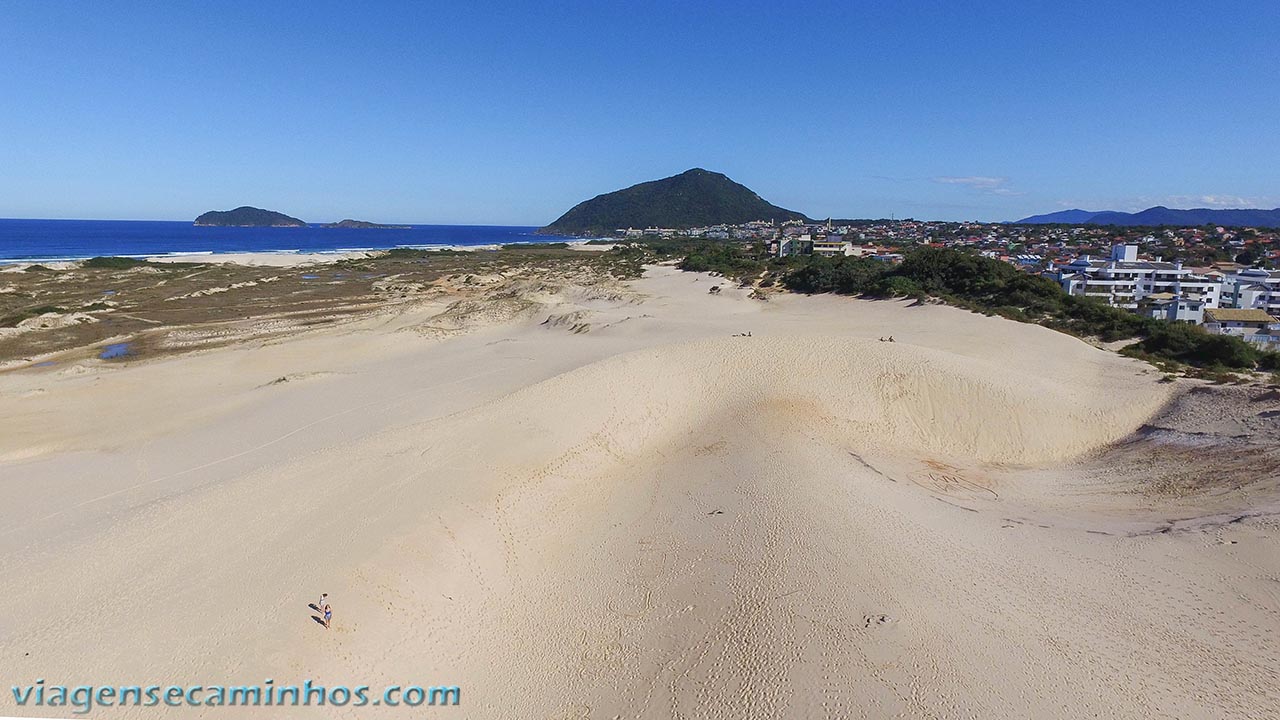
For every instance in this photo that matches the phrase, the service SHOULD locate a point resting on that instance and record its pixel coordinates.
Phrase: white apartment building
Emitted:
(1123, 280)
(832, 246)
(1253, 289)
(792, 245)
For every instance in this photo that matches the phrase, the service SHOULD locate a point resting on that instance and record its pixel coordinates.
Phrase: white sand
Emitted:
(642, 517)
(265, 259)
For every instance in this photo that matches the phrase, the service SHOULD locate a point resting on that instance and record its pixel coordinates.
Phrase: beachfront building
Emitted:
(832, 246)
(792, 245)
(1253, 289)
(661, 232)
(1166, 306)
(1123, 280)
(1250, 325)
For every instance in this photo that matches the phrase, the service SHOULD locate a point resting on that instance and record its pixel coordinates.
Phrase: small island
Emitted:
(363, 225)
(246, 216)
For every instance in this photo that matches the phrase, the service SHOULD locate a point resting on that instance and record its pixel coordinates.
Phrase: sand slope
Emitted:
(648, 518)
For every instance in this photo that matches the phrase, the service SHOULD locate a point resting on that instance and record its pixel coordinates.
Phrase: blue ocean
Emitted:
(52, 240)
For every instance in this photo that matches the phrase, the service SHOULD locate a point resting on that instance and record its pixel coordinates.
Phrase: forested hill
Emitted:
(694, 198)
(246, 216)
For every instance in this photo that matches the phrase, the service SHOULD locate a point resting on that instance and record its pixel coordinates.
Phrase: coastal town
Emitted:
(1217, 277)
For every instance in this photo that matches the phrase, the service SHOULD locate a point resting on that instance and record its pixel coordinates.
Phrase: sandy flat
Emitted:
(624, 506)
(265, 259)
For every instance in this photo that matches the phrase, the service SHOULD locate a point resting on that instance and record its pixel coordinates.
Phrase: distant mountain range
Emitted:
(1161, 215)
(694, 198)
(246, 216)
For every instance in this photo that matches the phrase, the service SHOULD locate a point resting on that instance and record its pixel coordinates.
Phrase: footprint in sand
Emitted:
(877, 620)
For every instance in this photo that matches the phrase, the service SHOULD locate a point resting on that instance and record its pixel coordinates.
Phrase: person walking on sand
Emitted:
(328, 615)
(324, 600)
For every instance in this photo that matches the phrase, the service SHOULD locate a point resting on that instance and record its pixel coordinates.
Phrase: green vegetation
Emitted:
(536, 246)
(1191, 345)
(721, 258)
(13, 320)
(113, 263)
(984, 285)
(694, 198)
(401, 253)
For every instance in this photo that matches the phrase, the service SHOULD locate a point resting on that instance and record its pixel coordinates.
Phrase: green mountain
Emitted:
(694, 198)
(248, 217)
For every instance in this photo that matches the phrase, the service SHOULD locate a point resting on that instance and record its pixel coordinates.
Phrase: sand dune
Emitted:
(646, 518)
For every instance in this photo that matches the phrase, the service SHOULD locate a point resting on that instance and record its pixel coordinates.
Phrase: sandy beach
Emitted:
(640, 499)
(265, 259)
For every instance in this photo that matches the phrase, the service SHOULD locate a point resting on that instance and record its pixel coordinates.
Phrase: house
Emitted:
(1170, 307)
(1251, 325)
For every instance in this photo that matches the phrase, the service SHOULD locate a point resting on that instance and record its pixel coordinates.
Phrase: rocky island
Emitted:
(363, 225)
(246, 216)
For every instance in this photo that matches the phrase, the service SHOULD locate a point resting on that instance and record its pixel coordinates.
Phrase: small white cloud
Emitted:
(1215, 201)
(981, 183)
(978, 182)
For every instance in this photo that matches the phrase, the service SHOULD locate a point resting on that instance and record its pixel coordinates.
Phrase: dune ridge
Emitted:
(878, 395)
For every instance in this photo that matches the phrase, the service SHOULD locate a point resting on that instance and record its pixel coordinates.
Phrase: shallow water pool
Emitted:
(114, 350)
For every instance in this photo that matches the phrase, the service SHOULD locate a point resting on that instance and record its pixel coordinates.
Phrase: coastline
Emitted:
(27, 242)
(281, 258)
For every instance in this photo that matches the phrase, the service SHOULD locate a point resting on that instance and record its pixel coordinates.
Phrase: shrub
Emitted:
(899, 286)
(536, 246)
(1192, 345)
(113, 263)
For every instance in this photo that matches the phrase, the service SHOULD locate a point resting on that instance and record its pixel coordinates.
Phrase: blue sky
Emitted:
(443, 112)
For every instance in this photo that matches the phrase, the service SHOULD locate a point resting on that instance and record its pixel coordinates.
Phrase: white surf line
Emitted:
(401, 399)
